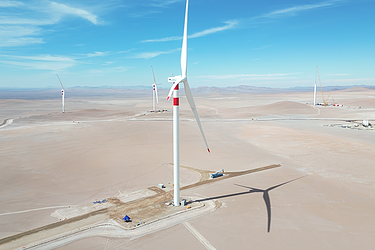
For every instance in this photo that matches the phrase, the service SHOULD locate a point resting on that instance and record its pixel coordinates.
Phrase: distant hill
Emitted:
(253, 89)
(134, 91)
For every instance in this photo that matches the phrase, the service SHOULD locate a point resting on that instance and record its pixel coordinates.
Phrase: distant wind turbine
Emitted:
(315, 91)
(176, 80)
(62, 95)
(154, 92)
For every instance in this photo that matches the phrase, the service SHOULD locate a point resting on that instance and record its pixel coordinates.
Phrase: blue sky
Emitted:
(268, 43)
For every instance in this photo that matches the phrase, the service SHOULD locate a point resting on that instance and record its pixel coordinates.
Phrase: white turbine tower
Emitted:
(62, 95)
(175, 89)
(154, 92)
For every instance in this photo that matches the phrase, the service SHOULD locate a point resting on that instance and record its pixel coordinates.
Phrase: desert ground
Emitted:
(108, 144)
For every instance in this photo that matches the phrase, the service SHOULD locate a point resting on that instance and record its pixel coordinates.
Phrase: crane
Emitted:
(324, 101)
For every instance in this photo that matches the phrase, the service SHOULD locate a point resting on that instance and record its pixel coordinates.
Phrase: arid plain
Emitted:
(107, 143)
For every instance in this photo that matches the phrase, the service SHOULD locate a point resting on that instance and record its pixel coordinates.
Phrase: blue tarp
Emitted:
(126, 218)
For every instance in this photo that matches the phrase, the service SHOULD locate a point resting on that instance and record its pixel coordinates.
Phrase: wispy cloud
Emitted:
(48, 58)
(58, 62)
(22, 23)
(97, 53)
(163, 3)
(149, 55)
(101, 54)
(143, 14)
(41, 62)
(10, 3)
(105, 71)
(229, 25)
(18, 35)
(63, 9)
(291, 11)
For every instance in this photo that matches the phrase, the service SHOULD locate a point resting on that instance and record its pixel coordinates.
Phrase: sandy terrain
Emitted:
(111, 146)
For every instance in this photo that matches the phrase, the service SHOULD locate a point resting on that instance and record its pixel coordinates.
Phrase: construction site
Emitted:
(150, 210)
(278, 175)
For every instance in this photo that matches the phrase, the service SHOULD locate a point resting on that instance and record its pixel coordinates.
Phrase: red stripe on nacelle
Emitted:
(176, 101)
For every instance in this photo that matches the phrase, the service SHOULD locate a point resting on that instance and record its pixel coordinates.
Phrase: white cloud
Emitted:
(97, 53)
(23, 23)
(41, 62)
(296, 9)
(166, 39)
(39, 65)
(11, 36)
(229, 25)
(47, 57)
(149, 55)
(19, 41)
(164, 3)
(106, 71)
(10, 3)
(64, 9)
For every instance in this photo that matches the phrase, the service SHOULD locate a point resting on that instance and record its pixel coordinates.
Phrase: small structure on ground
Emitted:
(218, 174)
(127, 219)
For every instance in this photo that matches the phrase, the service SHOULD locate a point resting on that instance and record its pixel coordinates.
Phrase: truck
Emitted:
(217, 174)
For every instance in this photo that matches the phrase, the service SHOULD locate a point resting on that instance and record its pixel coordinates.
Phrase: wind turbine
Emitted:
(176, 80)
(62, 95)
(154, 92)
(315, 91)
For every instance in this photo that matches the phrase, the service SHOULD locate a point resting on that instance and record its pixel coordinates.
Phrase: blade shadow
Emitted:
(266, 197)
(265, 192)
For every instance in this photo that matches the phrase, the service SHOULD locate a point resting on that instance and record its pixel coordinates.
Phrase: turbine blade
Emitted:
(184, 44)
(156, 92)
(153, 74)
(190, 99)
(60, 82)
(171, 90)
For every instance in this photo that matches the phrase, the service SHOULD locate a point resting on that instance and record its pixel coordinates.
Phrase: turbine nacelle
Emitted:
(177, 79)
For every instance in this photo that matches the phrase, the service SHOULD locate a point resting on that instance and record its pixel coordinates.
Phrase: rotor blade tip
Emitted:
(208, 150)
(168, 98)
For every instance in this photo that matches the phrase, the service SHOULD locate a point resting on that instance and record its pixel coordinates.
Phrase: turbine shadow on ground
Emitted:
(266, 197)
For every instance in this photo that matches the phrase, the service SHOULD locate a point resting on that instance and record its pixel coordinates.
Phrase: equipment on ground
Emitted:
(321, 89)
(217, 174)
(127, 219)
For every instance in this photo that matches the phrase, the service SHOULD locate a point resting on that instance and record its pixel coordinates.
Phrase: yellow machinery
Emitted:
(324, 101)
